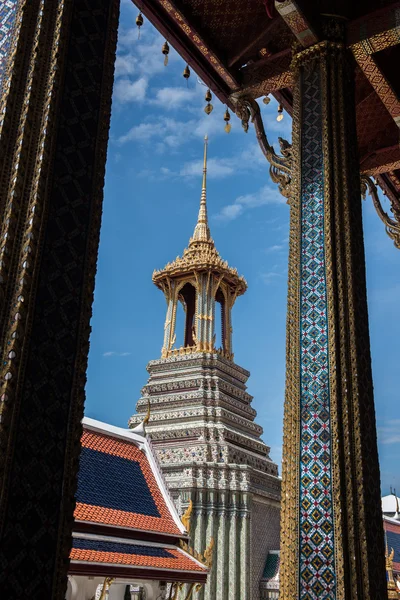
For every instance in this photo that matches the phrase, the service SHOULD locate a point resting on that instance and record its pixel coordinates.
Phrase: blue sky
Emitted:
(152, 192)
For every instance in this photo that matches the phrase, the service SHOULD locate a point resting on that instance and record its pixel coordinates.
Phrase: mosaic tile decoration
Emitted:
(8, 9)
(316, 554)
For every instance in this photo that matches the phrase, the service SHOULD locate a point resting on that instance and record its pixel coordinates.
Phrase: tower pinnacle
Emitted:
(202, 230)
(199, 280)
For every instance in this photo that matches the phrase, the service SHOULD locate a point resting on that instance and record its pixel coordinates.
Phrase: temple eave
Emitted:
(230, 276)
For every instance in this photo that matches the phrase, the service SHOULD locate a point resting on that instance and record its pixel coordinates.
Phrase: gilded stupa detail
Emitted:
(198, 279)
(202, 424)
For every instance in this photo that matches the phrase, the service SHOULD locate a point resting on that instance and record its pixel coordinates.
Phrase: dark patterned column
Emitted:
(53, 137)
(332, 535)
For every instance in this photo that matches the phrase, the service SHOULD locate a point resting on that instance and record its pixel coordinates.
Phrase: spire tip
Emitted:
(202, 231)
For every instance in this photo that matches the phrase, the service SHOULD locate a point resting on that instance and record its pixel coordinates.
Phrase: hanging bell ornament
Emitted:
(186, 74)
(165, 51)
(139, 22)
(227, 118)
(280, 113)
(209, 108)
(266, 100)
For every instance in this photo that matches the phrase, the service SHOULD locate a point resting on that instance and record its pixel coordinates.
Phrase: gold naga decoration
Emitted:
(208, 553)
(248, 110)
(206, 559)
(177, 587)
(147, 417)
(186, 516)
(391, 584)
(392, 226)
(106, 586)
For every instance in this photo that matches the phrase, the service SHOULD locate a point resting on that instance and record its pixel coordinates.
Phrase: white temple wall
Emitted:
(81, 587)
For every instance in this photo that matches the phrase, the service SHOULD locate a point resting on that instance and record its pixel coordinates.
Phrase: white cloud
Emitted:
(249, 159)
(266, 195)
(217, 168)
(173, 97)
(270, 277)
(125, 65)
(128, 91)
(112, 353)
(230, 212)
(275, 248)
(390, 432)
(142, 132)
(143, 53)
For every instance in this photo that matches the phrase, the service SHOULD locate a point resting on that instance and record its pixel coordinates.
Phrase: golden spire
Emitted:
(202, 230)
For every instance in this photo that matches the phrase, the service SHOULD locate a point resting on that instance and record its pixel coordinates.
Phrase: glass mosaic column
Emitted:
(332, 538)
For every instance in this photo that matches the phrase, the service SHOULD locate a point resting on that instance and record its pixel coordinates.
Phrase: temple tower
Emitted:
(202, 423)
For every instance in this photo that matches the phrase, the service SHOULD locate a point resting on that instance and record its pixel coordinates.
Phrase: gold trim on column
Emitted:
(331, 190)
(291, 424)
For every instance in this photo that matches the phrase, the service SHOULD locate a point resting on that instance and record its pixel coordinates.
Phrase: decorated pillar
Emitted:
(331, 527)
(55, 112)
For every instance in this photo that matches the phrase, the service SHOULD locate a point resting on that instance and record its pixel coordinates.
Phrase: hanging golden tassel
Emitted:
(227, 118)
(266, 100)
(280, 113)
(186, 74)
(139, 22)
(165, 51)
(208, 97)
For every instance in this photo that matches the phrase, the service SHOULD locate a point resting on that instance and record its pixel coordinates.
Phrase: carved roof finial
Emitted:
(186, 516)
(140, 429)
(202, 230)
(397, 513)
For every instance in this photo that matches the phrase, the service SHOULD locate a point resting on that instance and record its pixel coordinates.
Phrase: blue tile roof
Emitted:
(120, 548)
(393, 541)
(113, 482)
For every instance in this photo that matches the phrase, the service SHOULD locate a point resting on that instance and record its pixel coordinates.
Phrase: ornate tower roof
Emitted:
(201, 254)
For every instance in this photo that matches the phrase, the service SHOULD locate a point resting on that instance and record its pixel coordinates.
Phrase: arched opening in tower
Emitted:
(187, 296)
(220, 320)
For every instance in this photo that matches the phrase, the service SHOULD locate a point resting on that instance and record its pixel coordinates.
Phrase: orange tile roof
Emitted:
(116, 486)
(132, 555)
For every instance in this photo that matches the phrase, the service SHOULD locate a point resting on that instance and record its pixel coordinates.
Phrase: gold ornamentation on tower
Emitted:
(198, 280)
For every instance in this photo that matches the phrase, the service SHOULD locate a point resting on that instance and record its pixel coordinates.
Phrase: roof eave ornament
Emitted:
(247, 109)
(140, 429)
(186, 516)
